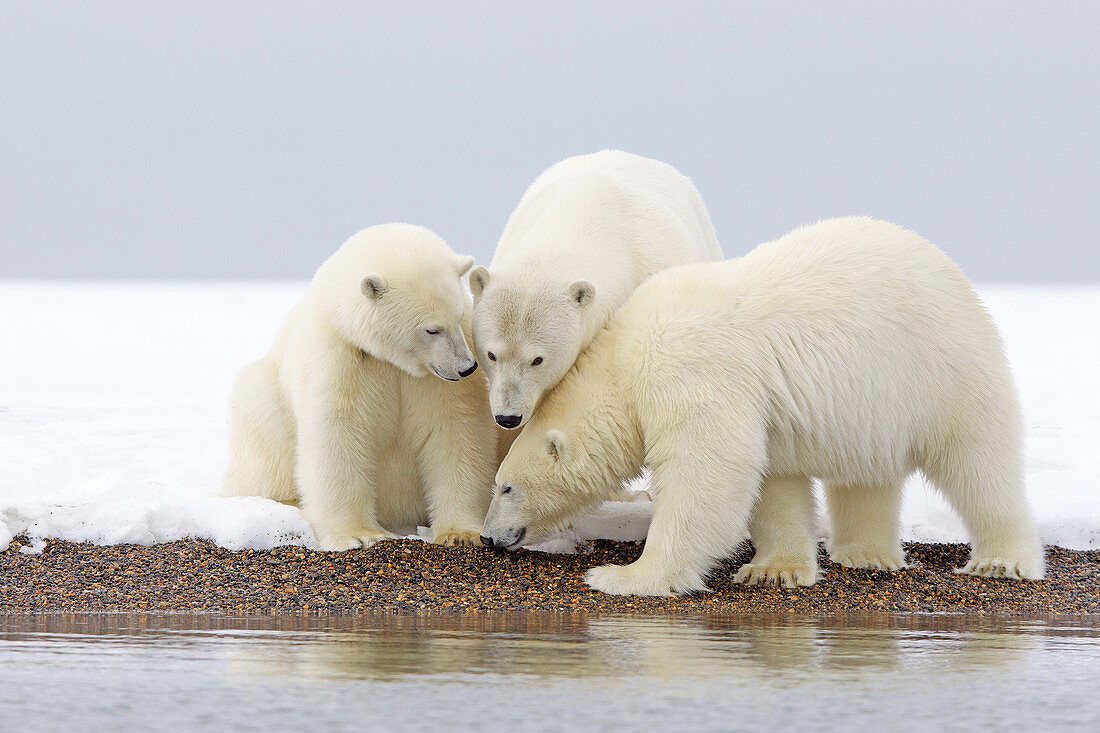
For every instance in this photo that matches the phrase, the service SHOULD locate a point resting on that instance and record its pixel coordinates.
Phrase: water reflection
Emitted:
(563, 646)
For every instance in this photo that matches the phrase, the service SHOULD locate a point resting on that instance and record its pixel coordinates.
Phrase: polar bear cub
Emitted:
(342, 414)
(851, 350)
(586, 233)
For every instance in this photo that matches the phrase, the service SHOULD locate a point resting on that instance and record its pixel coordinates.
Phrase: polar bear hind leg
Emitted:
(782, 532)
(980, 476)
(261, 436)
(865, 532)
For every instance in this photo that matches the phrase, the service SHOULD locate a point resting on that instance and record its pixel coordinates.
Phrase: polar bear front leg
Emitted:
(701, 510)
(457, 463)
(335, 476)
(782, 532)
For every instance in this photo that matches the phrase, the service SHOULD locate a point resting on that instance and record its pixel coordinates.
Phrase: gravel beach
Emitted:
(411, 577)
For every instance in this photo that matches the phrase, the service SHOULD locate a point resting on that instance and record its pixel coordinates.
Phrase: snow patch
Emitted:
(36, 547)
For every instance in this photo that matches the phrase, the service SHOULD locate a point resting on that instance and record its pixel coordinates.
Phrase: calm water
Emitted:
(541, 672)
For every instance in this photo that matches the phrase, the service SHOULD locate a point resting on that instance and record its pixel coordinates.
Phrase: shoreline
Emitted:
(408, 577)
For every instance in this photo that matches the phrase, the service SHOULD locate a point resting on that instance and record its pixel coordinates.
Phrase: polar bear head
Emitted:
(395, 291)
(578, 449)
(528, 336)
(533, 495)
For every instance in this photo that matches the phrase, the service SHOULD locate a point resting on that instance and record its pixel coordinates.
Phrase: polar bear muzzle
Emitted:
(506, 522)
(510, 540)
(450, 357)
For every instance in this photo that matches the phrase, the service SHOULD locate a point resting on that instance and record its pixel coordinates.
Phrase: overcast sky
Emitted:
(248, 140)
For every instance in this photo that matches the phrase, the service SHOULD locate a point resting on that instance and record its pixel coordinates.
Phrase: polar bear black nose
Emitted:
(487, 541)
(469, 371)
(509, 421)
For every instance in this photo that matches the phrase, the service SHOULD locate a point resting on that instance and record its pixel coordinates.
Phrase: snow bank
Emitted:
(113, 419)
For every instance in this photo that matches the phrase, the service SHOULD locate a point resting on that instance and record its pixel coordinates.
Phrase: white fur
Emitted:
(587, 232)
(342, 413)
(851, 350)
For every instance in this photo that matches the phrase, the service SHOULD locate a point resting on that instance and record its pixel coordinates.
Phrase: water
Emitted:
(545, 672)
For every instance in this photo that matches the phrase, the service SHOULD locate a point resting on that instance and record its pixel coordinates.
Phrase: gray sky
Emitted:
(248, 140)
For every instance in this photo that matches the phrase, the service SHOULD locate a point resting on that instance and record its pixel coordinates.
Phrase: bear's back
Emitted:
(846, 268)
(579, 196)
(852, 337)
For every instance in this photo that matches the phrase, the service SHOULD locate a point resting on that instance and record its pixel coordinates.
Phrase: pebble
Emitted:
(411, 577)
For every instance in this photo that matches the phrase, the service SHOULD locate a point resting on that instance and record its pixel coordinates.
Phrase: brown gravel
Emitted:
(410, 577)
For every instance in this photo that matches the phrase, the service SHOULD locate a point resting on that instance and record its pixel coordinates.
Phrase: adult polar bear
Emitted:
(586, 233)
(851, 350)
(342, 413)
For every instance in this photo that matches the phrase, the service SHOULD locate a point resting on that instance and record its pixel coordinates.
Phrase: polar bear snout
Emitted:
(509, 399)
(509, 421)
(506, 522)
(509, 540)
(453, 360)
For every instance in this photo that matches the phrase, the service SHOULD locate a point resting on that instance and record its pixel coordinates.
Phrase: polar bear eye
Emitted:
(537, 361)
(491, 355)
(432, 331)
(506, 489)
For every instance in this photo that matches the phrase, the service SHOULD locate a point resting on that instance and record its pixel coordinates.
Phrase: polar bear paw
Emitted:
(1014, 568)
(457, 537)
(626, 580)
(868, 558)
(785, 572)
(352, 540)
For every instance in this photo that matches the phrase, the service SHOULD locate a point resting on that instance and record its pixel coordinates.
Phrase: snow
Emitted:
(113, 416)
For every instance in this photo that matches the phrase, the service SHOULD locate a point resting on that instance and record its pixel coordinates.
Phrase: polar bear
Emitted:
(851, 350)
(342, 416)
(588, 231)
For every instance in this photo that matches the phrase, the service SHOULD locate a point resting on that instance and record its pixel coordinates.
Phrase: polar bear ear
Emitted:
(556, 443)
(374, 286)
(463, 263)
(479, 278)
(582, 292)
